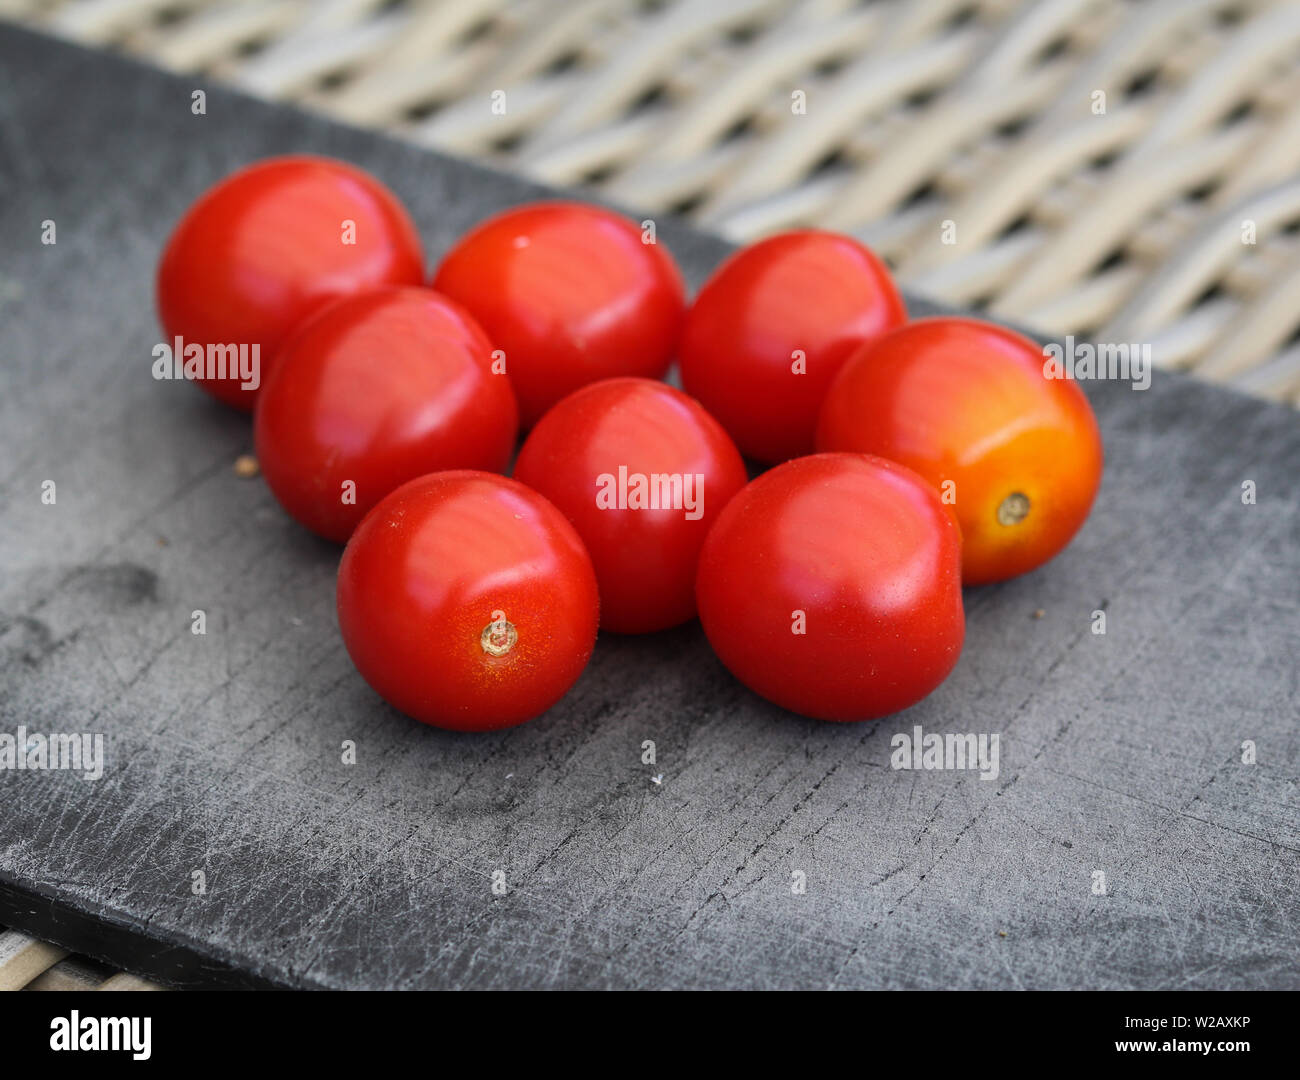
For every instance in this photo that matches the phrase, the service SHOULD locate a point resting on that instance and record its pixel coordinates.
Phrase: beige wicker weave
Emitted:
(28, 964)
(1125, 170)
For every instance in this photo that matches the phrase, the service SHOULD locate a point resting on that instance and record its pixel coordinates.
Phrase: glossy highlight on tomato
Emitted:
(642, 471)
(967, 405)
(570, 294)
(373, 391)
(270, 245)
(831, 585)
(467, 601)
(771, 328)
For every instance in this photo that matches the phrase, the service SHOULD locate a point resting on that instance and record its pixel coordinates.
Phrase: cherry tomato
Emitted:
(375, 390)
(642, 471)
(270, 245)
(467, 601)
(570, 294)
(772, 327)
(832, 586)
(967, 405)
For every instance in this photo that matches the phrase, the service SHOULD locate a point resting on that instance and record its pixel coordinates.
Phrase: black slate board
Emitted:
(1120, 753)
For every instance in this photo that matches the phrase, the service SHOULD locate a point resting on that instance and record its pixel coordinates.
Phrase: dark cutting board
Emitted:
(1120, 753)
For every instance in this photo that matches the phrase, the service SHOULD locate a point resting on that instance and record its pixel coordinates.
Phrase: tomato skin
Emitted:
(645, 559)
(263, 249)
(571, 295)
(864, 548)
(961, 400)
(377, 389)
(433, 568)
(817, 292)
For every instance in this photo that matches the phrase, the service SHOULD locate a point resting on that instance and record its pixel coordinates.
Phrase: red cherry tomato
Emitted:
(967, 405)
(270, 245)
(832, 586)
(467, 601)
(771, 328)
(570, 294)
(375, 390)
(642, 471)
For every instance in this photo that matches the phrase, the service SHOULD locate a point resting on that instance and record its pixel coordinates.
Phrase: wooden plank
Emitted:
(1120, 753)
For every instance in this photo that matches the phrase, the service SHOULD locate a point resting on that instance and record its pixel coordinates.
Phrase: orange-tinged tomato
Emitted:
(1016, 455)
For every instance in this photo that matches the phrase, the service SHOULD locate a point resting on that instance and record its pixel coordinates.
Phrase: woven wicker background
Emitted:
(1171, 218)
(28, 964)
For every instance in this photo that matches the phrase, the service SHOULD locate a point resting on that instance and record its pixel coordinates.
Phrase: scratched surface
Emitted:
(1120, 753)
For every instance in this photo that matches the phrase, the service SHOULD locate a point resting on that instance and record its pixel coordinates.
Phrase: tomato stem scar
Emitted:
(499, 636)
(1014, 509)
